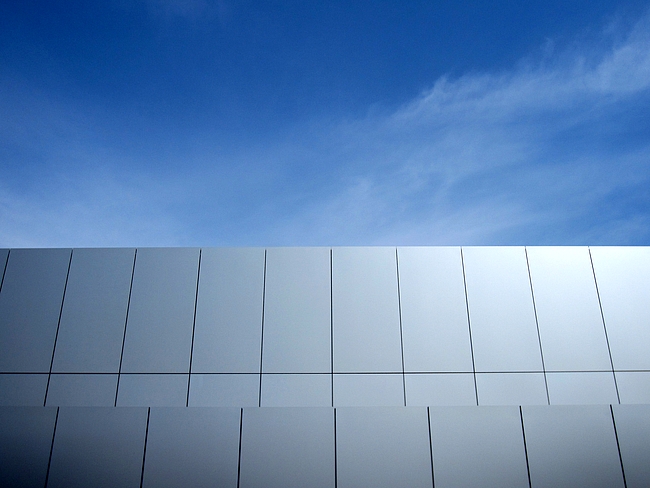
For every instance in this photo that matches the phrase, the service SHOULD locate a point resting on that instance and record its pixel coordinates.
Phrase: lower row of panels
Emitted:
(314, 390)
(534, 446)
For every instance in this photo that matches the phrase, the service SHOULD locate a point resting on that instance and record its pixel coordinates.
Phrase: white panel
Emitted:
(434, 312)
(502, 316)
(511, 389)
(224, 390)
(366, 323)
(623, 276)
(570, 324)
(296, 390)
(440, 389)
(368, 390)
(383, 447)
(229, 311)
(297, 328)
(581, 388)
(481, 447)
(634, 387)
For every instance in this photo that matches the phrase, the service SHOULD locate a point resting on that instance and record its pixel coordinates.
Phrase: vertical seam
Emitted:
(259, 396)
(401, 335)
(144, 451)
(602, 317)
(336, 472)
(618, 446)
(469, 322)
(433, 482)
(539, 336)
(126, 321)
(58, 325)
(523, 433)
(4, 270)
(49, 461)
(332, 325)
(241, 425)
(196, 300)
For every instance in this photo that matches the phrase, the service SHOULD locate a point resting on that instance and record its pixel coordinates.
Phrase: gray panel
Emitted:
(570, 324)
(97, 446)
(571, 446)
(22, 389)
(152, 390)
(368, 390)
(296, 390)
(440, 389)
(82, 390)
(434, 313)
(511, 389)
(224, 390)
(25, 441)
(383, 447)
(622, 275)
(365, 307)
(30, 304)
(581, 388)
(197, 447)
(161, 312)
(229, 311)
(4, 254)
(633, 387)
(287, 447)
(502, 316)
(482, 447)
(633, 429)
(94, 312)
(297, 329)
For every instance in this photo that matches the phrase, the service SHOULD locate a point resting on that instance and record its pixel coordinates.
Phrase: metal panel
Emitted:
(97, 446)
(25, 441)
(283, 447)
(502, 316)
(296, 390)
(196, 447)
(581, 388)
(633, 430)
(4, 255)
(152, 390)
(633, 387)
(511, 389)
(224, 390)
(94, 312)
(571, 446)
(622, 275)
(570, 324)
(229, 311)
(297, 329)
(440, 389)
(434, 313)
(368, 390)
(82, 390)
(482, 447)
(30, 304)
(366, 325)
(161, 311)
(383, 447)
(22, 389)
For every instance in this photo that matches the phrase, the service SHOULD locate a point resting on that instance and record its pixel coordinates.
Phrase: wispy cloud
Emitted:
(555, 150)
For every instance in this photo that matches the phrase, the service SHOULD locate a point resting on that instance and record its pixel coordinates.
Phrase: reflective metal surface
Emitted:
(82, 390)
(152, 390)
(296, 390)
(440, 389)
(581, 388)
(224, 390)
(633, 430)
(359, 390)
(511, 389)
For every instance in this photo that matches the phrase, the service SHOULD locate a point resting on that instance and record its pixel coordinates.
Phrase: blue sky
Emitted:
(211, 123)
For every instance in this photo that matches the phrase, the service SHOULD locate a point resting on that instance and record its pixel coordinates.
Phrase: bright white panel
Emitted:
(511, 389)
(366, 323)
(586, 388)
(502, 317)
(623, 276)
(368, 390)
(570, 324)
(634, 386)
(440, 389)
(434, 312)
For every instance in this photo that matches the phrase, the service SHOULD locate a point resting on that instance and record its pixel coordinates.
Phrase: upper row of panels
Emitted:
(317, 310)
